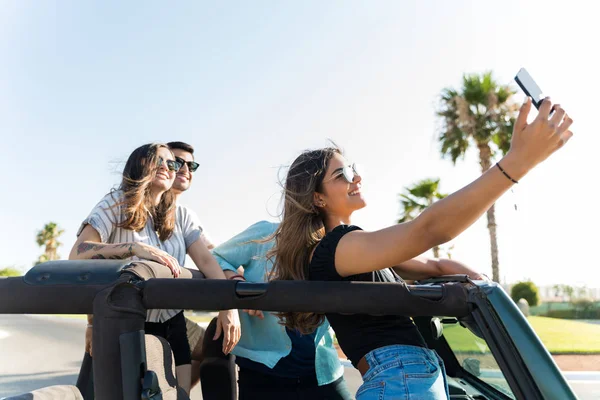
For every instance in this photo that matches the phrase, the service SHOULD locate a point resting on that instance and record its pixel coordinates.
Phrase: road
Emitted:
(37, 351)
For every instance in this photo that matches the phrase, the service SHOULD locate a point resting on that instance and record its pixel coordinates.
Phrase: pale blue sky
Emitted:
(251, 84)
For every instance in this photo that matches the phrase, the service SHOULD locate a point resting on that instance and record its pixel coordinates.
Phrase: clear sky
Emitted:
(251, 84)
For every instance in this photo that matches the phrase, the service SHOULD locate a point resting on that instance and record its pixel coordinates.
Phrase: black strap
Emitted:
(150, 387)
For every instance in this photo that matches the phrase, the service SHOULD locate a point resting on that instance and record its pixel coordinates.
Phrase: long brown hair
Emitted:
(301, 228)
(138, 174)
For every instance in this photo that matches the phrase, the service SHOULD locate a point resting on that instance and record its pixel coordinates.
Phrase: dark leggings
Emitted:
(175, 332)
(256, 385)
(218, 379)
(217, 371)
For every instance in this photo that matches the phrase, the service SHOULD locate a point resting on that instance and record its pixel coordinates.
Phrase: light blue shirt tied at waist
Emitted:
(266, 341)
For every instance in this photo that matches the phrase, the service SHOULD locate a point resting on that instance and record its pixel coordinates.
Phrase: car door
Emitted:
(494, 353)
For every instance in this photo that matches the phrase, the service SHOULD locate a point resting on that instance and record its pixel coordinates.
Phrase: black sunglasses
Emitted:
(192, 165)
(172, 165)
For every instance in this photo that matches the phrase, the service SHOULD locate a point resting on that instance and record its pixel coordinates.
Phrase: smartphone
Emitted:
(529, 86)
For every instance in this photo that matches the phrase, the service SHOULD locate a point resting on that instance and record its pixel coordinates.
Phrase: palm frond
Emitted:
(454, 144)
(417, 197)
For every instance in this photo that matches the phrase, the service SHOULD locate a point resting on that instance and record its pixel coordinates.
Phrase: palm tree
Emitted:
(417, 198)
(479, 114)
(48, 237)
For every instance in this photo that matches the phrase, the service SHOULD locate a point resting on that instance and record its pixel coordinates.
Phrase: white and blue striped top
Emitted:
(104, 218)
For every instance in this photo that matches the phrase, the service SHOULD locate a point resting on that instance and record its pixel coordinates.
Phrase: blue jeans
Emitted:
(404, 372)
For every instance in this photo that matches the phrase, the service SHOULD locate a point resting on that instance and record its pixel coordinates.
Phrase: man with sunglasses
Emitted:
(184, 155)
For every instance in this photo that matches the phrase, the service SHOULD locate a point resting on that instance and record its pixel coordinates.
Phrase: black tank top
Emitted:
(359, 334)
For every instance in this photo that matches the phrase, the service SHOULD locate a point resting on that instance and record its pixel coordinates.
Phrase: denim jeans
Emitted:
(404, 372)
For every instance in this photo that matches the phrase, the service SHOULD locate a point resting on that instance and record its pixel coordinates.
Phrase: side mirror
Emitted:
(437, 329)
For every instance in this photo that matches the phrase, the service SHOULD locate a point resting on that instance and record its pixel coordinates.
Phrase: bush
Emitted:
(525, 290)
(574, 314)
(583, 304)
(10, 272)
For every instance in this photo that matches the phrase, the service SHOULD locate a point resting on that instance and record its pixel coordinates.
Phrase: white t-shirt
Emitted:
(104, 218)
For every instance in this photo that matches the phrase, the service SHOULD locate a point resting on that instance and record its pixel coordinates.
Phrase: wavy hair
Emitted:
(138, 174)
(301, 228)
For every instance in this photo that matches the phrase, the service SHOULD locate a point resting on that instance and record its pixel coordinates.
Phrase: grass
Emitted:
(560, 336)
(462, 340)
(563, 336)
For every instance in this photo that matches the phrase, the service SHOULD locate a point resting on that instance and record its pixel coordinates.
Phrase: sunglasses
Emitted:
(348, 173)
(192, 165)
(172, 165)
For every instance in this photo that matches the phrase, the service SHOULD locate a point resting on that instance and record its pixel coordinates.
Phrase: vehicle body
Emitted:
(489, 349)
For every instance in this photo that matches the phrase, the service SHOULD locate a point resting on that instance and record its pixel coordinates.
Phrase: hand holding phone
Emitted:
(550, 115)
(528, 85)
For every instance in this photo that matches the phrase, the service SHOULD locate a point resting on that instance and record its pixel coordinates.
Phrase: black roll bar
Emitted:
(18, 297)
(302, 296)
(119, 293)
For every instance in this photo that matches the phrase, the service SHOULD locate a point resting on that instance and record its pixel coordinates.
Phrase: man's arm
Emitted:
(423, 267)
(204, 260)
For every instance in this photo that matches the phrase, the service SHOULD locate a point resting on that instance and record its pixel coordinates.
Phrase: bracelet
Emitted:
(237, 276)
(505, 174)
(89, 325)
